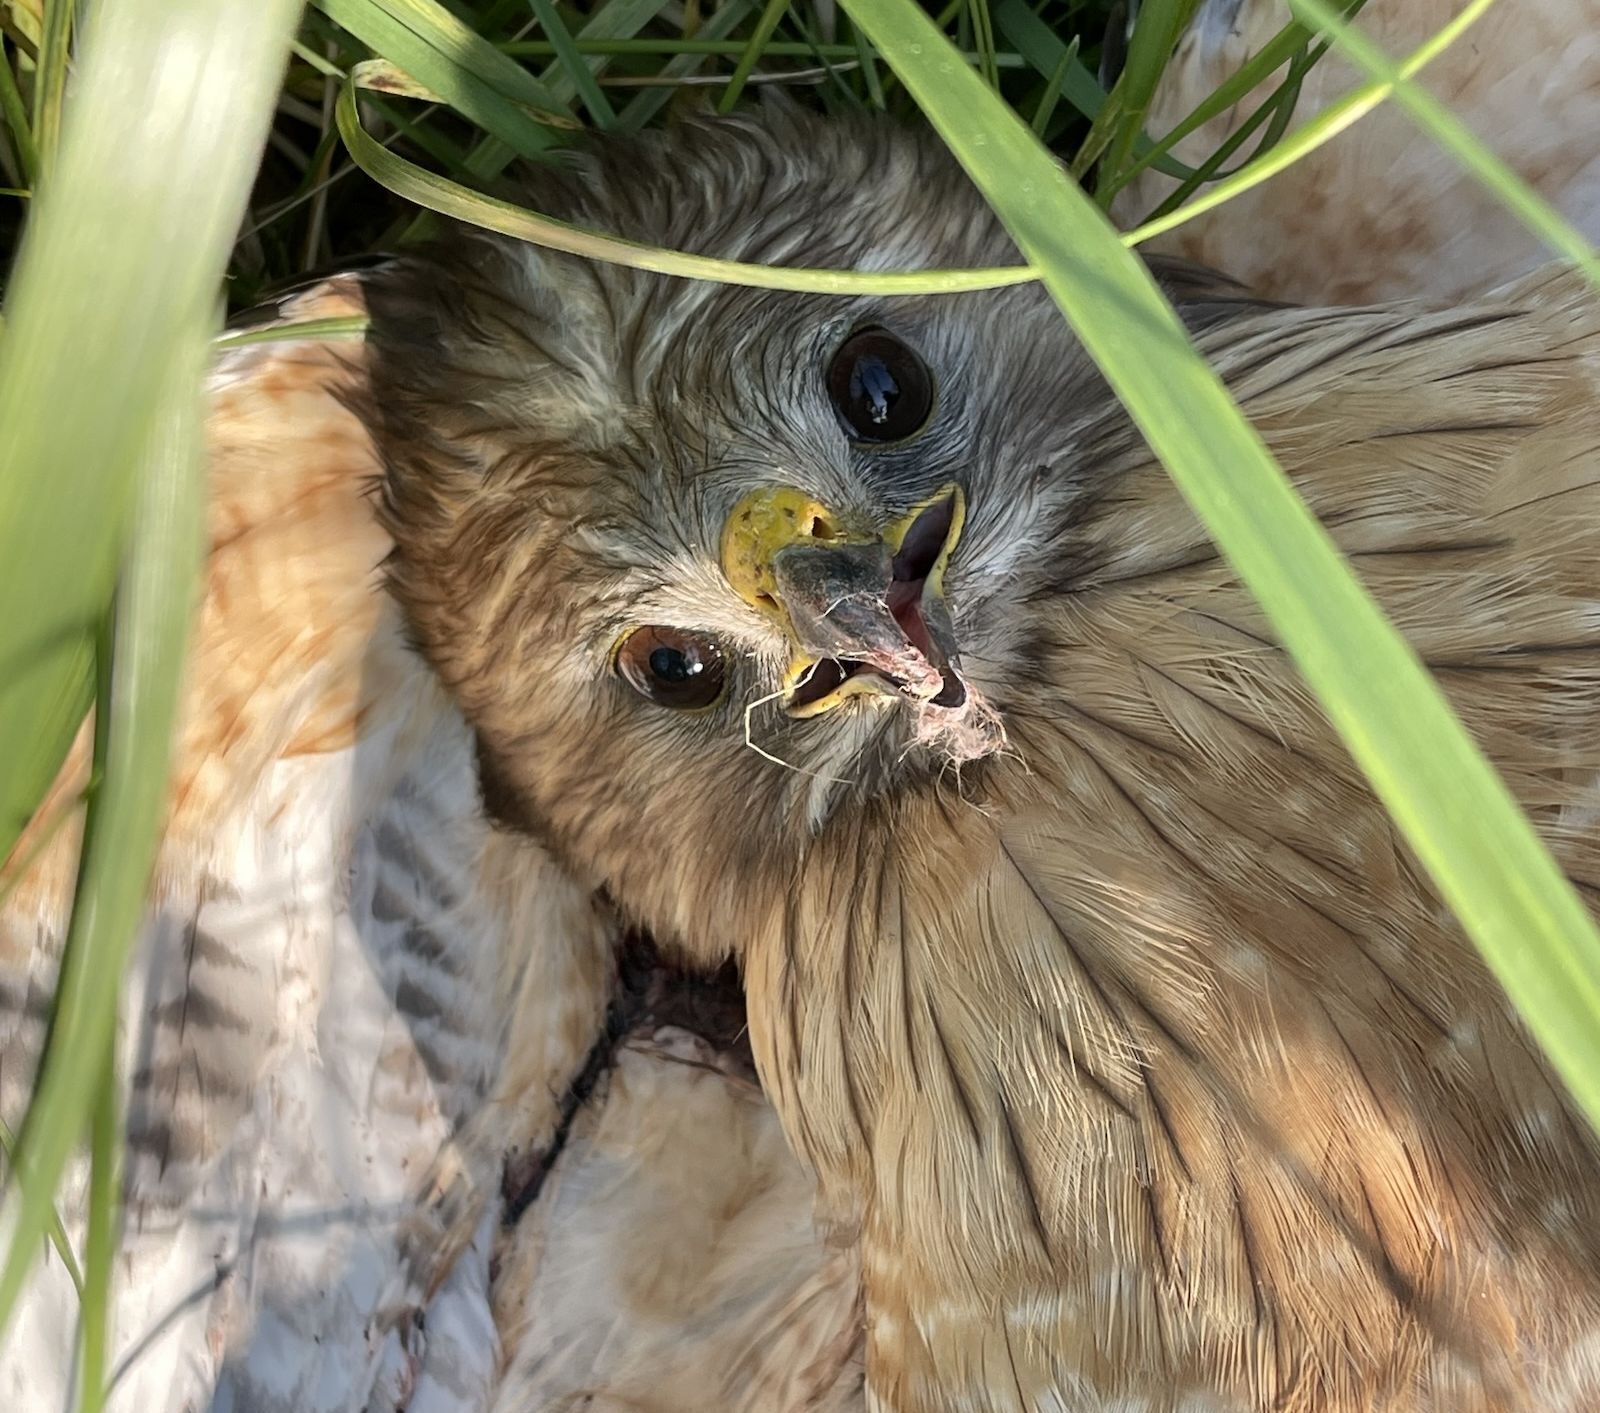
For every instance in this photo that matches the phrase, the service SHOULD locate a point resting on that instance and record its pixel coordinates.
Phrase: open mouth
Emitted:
(919, 557)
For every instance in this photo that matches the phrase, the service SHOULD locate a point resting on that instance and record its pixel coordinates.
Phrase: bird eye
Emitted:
(671, 668)
(881, 390)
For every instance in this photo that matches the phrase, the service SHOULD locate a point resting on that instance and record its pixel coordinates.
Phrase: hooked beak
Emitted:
(864, 613)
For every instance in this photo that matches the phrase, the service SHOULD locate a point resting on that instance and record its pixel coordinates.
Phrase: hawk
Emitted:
(865, 640)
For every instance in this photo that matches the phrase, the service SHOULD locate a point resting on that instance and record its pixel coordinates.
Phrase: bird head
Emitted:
(716, 568)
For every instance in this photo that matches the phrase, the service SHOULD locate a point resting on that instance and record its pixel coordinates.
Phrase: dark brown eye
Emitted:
(671, 668)
(881, 390)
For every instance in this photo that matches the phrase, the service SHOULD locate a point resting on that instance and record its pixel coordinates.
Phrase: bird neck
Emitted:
(1116, 1051)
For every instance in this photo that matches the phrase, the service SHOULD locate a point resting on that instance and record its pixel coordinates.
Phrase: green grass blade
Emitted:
(1453, 809)
(57, 1231)
(46, 685)
(869, 69)
(638, 111)
(163, 130)
(1046, 51)
(983, 41)
(1159, 25)
(770, 15)
(665, 48)
(616, 19)
(1273, 113)
(1274, 54)
(1452, 134)
(446, 197)
(1277, 51)
(100, 1247)
(1043, 48)
(50, 80)
(576, 66)
(14, 114)
(132, 741)
(1046, 107)
(165, 124)
(1326, 126)
(463, 68)
(337, 329)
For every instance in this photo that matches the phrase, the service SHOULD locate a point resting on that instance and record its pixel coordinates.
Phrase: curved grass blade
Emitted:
(458, 202)
(1273, 113)
(1279, 50)
(1452, 807)
(463, 68)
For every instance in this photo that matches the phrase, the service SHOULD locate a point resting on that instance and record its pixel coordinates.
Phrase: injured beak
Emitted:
(866, 614)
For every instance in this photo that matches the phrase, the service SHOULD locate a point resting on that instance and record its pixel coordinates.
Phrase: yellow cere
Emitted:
(768, 520)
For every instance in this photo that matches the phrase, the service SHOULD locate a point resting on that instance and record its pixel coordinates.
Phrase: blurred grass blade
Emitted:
(1452, 134)
(162, 134)
(336, 329)
(57, 1231)
(95, 1296)
(439, 194)
(132, 740)
(463, 68)
(100, 1246)
(1453, 809)
(50, 79)
(14, 114)
(1310, 135)
(121, 264)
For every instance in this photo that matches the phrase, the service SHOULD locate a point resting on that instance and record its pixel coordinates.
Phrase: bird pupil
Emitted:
(672, 665)
(872, 384)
